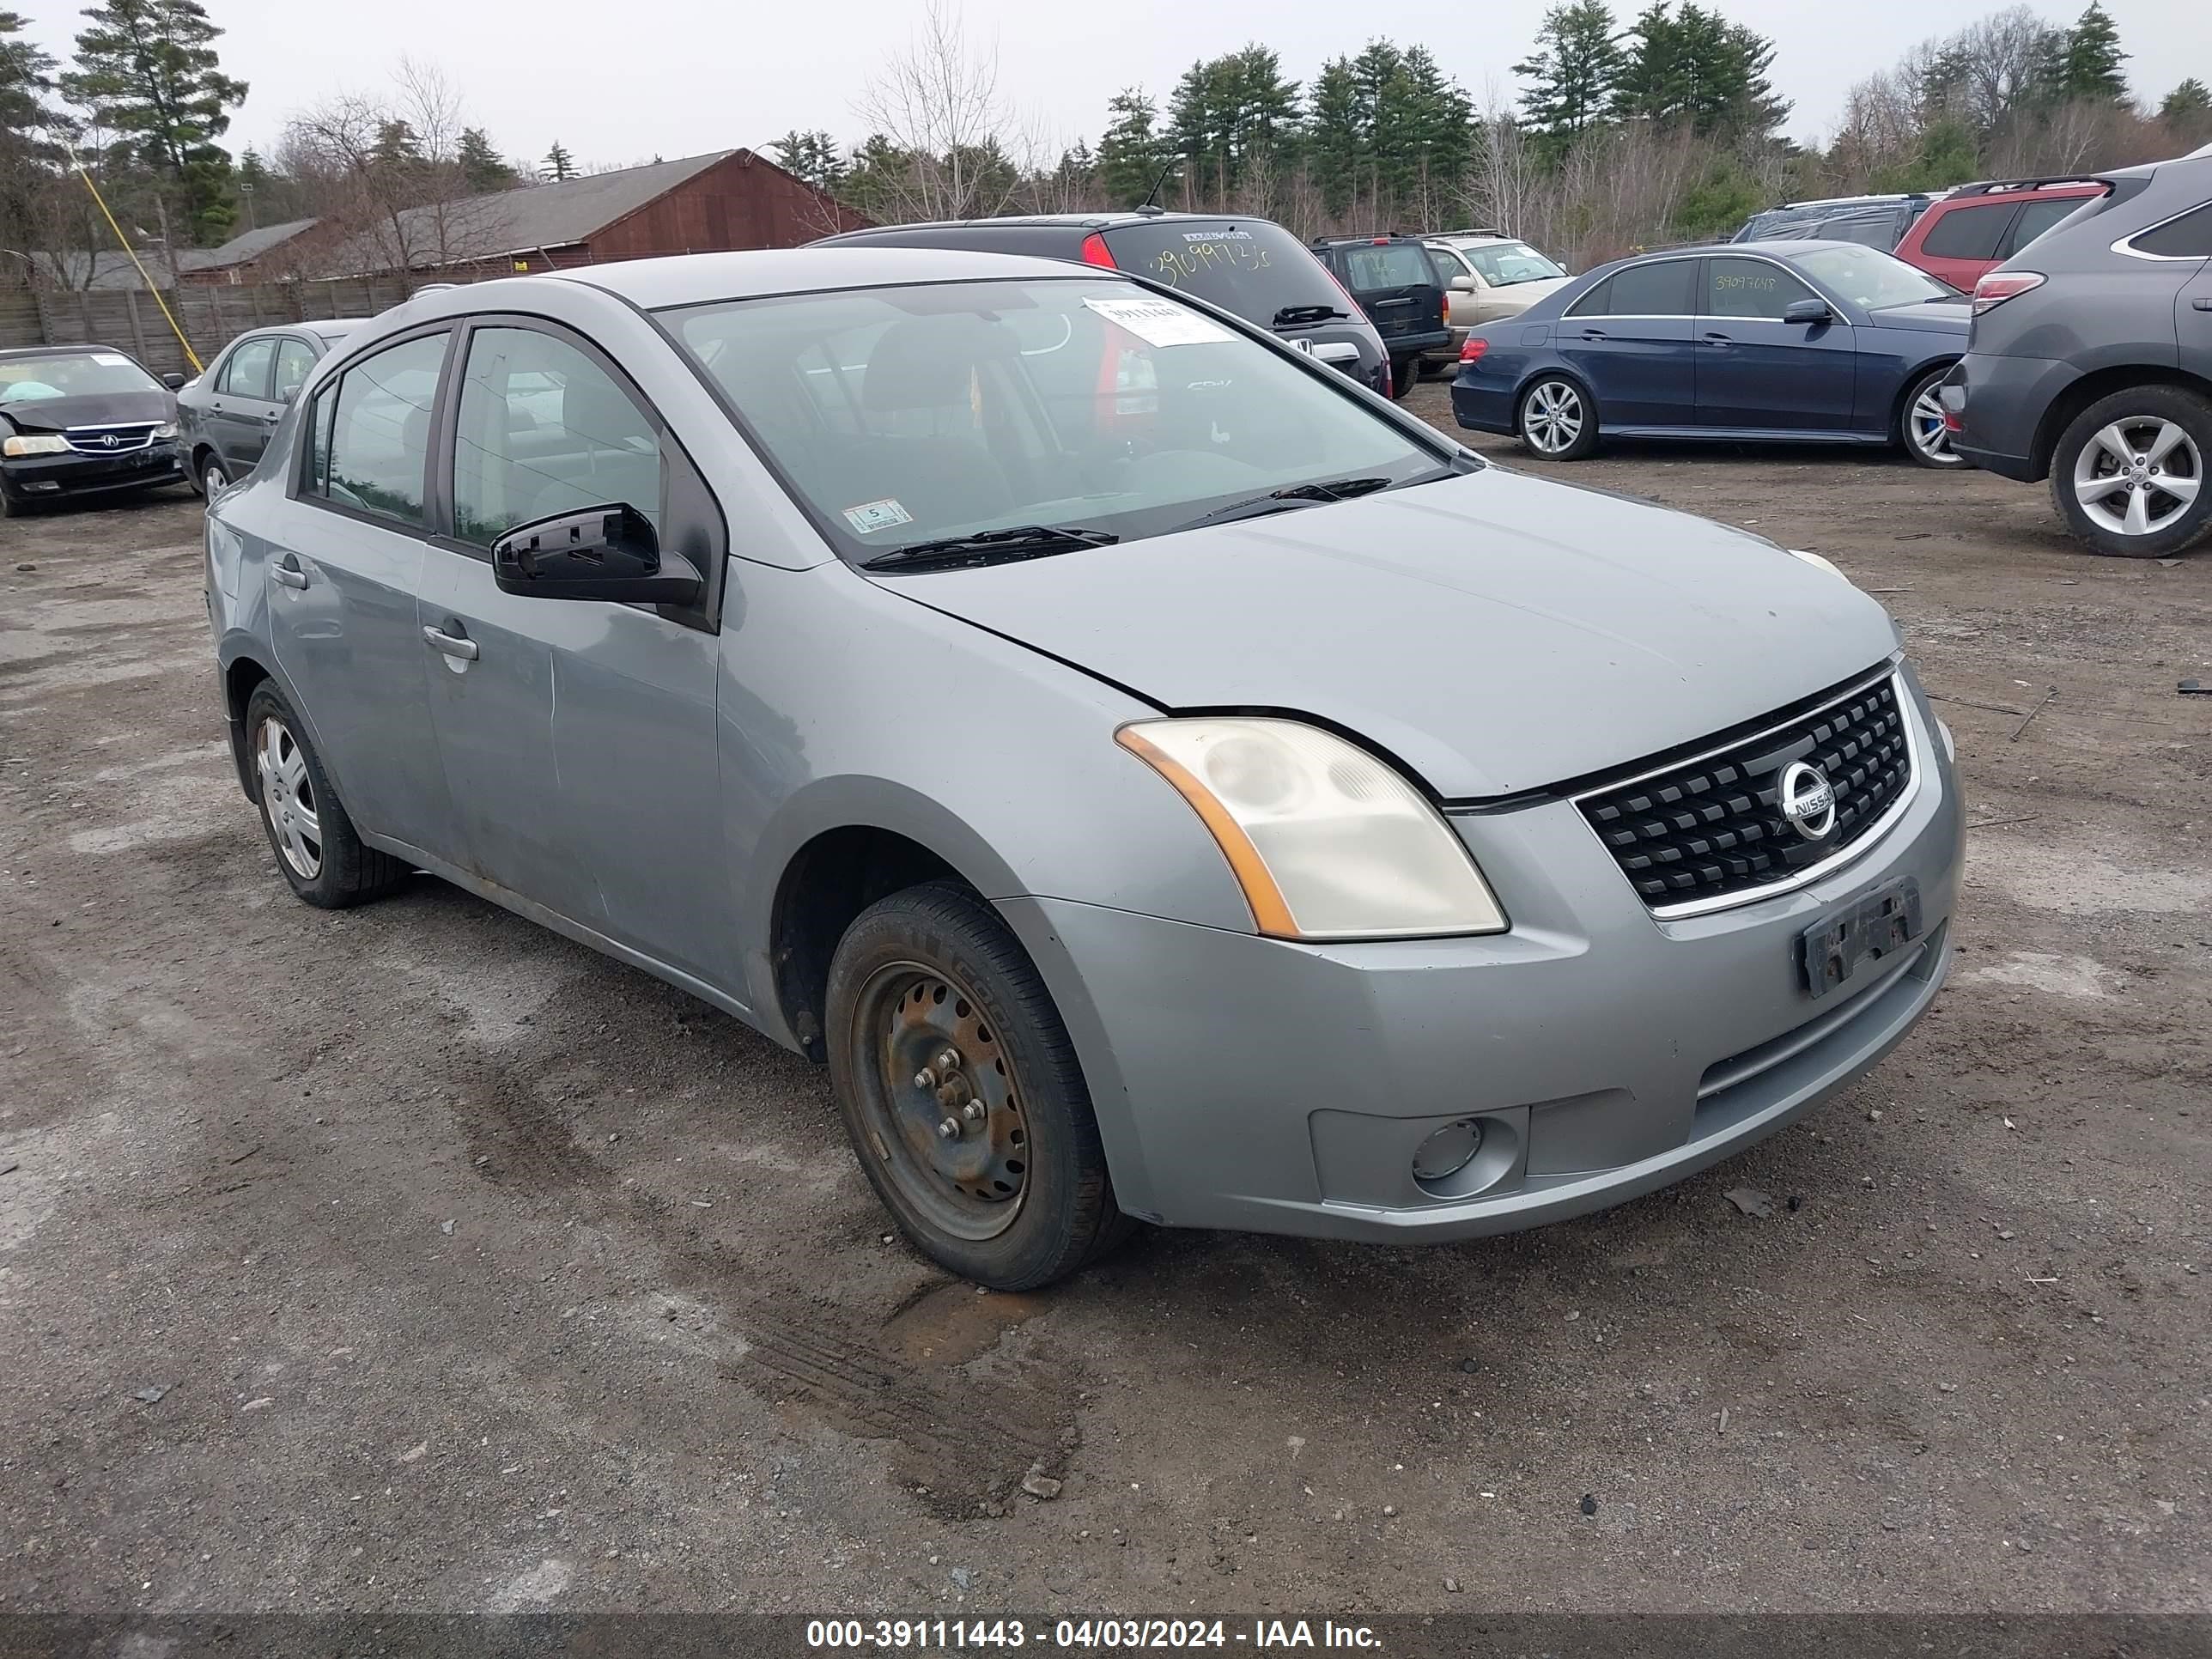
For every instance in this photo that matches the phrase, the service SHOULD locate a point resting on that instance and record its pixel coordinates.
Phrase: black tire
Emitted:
(342, 870)
(1560, 396)
(1920, 432)
(2142, 417)
(931, 968)
(1404, 371)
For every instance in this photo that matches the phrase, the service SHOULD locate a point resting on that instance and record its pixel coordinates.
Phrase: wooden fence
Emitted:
(130, 320)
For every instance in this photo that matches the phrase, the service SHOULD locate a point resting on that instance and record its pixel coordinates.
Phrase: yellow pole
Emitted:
(192, 356)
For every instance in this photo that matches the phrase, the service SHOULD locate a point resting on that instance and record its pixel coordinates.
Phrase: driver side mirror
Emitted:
(1461, 285)
(175, 382)
(607, 552)
(1808, 311)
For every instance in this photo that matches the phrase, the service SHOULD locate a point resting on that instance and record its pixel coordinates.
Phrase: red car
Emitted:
(1977, 228)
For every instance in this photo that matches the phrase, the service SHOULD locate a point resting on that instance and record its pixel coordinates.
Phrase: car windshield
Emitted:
(70, 375)
(1872, 279)
(915, 414)
(1503, 264)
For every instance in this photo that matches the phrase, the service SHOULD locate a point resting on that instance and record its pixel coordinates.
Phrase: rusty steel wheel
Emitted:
(961, 1092)
(942, 1106)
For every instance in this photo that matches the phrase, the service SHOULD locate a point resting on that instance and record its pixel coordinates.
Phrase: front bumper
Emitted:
(63, 478)
(1249, 1082)
(1999, 402)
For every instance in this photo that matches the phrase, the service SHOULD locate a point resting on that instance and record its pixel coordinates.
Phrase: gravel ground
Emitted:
(413, 1258)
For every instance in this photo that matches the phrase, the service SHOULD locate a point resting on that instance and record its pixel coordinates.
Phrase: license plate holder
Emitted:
(1875, 926)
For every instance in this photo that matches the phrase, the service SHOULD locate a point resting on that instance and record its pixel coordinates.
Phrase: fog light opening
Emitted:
(1448, 1151)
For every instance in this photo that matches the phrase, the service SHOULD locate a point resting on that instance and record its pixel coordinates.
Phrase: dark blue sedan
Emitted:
(1780, 341)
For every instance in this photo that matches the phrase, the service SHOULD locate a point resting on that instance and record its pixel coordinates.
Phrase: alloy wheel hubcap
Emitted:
(944, 1108)
(2137, 475)
(213, 481)
(288, 798)
(1927, 431)
(1553, 417)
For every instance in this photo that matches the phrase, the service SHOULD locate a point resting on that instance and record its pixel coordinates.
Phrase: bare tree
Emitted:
(398, 197)
(952, 147)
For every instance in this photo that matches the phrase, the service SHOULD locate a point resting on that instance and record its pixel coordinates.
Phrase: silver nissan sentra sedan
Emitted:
(1162, 781)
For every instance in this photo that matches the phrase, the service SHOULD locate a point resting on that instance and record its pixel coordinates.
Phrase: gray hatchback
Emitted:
(1160, 780)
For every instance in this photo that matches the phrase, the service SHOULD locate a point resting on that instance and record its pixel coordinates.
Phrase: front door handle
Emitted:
(289, 574)
(2202, 303)
(1720, 339)
(272, 417)
(450, 644)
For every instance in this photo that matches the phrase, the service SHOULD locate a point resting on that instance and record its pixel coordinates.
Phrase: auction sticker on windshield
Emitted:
(870, 516)
(1158, 323)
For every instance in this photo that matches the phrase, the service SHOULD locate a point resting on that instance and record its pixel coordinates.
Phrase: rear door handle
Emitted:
(288, 573)
(450, 644)
(1594, 334)
(1720, 339)
(2205, 303)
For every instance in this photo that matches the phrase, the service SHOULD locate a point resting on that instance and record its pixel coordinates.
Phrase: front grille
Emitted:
(1712, 827)
(110, 440)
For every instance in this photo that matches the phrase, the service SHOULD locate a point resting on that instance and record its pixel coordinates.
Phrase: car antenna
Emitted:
(1148, 205)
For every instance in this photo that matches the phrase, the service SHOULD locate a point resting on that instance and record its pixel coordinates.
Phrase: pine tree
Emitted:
(2187, 112)
(1651, 85)
(1340, 126)
(2088, 65)
(27, 153)
(147, 71)
(1132, 152)
(483, 169)
(812, 156)
(1571, 71)
(559, 164)
(1234, 116)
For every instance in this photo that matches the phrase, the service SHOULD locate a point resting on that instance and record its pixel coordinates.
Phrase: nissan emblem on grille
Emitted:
(1807, 802)
(1750, 812)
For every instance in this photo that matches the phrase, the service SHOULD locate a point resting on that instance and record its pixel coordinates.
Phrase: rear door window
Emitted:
(2036, 218)
(247, 373)
(1664, 288)
(375, 451)
(1248, 266)
(1968, 233)
(1751, 288)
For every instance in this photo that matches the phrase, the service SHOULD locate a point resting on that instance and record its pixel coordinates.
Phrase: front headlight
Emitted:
(162, 432)
(1326, 841)
(1817, 562)
(40, 443)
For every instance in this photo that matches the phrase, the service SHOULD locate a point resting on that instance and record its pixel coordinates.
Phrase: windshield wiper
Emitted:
(1025, 541)
(1316, 313)
(1293, 496)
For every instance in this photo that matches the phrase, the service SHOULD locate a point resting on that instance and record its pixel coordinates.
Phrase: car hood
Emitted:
(1525, 295)
(91, 409)
(1497, 632)
(1928, 317)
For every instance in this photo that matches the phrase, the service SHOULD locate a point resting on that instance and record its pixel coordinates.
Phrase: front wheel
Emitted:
(209, 476)
(2128, 475)
(1920, 429)
(1556, 420)
(961, 1092)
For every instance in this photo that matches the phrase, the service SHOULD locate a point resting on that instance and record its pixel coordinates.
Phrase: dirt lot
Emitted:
(474, 1271)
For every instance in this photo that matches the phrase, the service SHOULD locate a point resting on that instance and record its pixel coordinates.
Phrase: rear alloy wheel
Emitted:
(960, 1090)
(2129, 474)
(1927, 440)
(320, 857)
(1556, 420)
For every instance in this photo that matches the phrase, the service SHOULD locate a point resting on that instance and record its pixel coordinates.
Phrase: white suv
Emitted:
(1487, 276)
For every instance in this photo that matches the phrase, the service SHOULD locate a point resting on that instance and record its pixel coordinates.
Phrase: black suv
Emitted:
(1396, 284)
(1252, 267)
(1876, 222)
(2090, 363)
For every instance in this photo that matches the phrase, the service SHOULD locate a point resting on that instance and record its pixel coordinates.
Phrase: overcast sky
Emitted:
(619, 81)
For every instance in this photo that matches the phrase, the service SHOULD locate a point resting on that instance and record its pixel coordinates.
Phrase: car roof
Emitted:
(1844, 201)
(329, 328)
(1091, 220)
(1375, 240)
(61, 347)
(700, 278)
